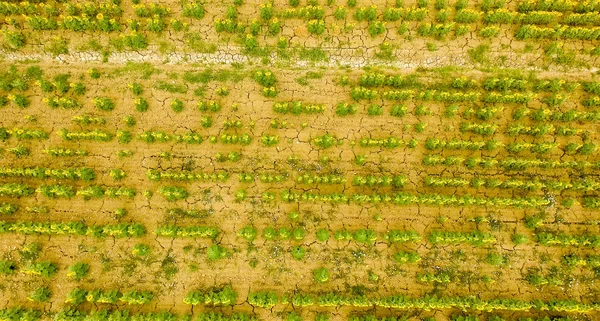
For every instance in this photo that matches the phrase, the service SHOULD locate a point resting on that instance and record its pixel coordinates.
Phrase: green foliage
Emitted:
(263, 299)
(344, 109)
(19, 100)
(265, 78)
(316, 26)
(76, 296)
(137, 297)
(193, 9)
(376, 28)
(41, 294)
(177, 105)
(136, 88)
(496, 259)
(248, 232)
(475, 238)
(141, 250)
(190, 231)
(7, 267)
(325, 141)
(45, 269)
(173, 193)
(14, 39)
(293, 316)
(219, 296)
(141, 104)
(298, 252)
(322, 235)
(321, 275)
(103, 103)
(407, 257)
(216, 252)
(135, 40)
(78, 271)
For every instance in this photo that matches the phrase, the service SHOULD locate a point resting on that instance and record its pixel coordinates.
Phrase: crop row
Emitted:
(329, 179)
(592, 261)
(44, 269)
(544, 115)
(66, 191)
(73, 228)
(83, 173)
(408, 199)
(175, 175)
(509, 164)
(223, 296)
(125, 315)
(78, 296)
(187, 232)
(362, 236)
(364, 93)
(562, 239)
(503, 84)
(584, 185)
(268, 299)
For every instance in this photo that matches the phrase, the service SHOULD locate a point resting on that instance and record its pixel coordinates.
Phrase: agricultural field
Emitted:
(298, 160)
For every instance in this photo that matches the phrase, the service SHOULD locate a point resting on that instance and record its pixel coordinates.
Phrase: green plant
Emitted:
(44, 269)
(78, 270)
(316, 27)
(30, 251)
(19, 100)
(141, 104)
(14, 39)
(141, 250)
(519, 239)
(216, 252)
(103, 103)
(321, 275)
(248, 233)
(173, 193)
(177, 105)
(41, 294)
(135, 40)
(7, 267)
(496, 259)
(136, 88)
(298, 252)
